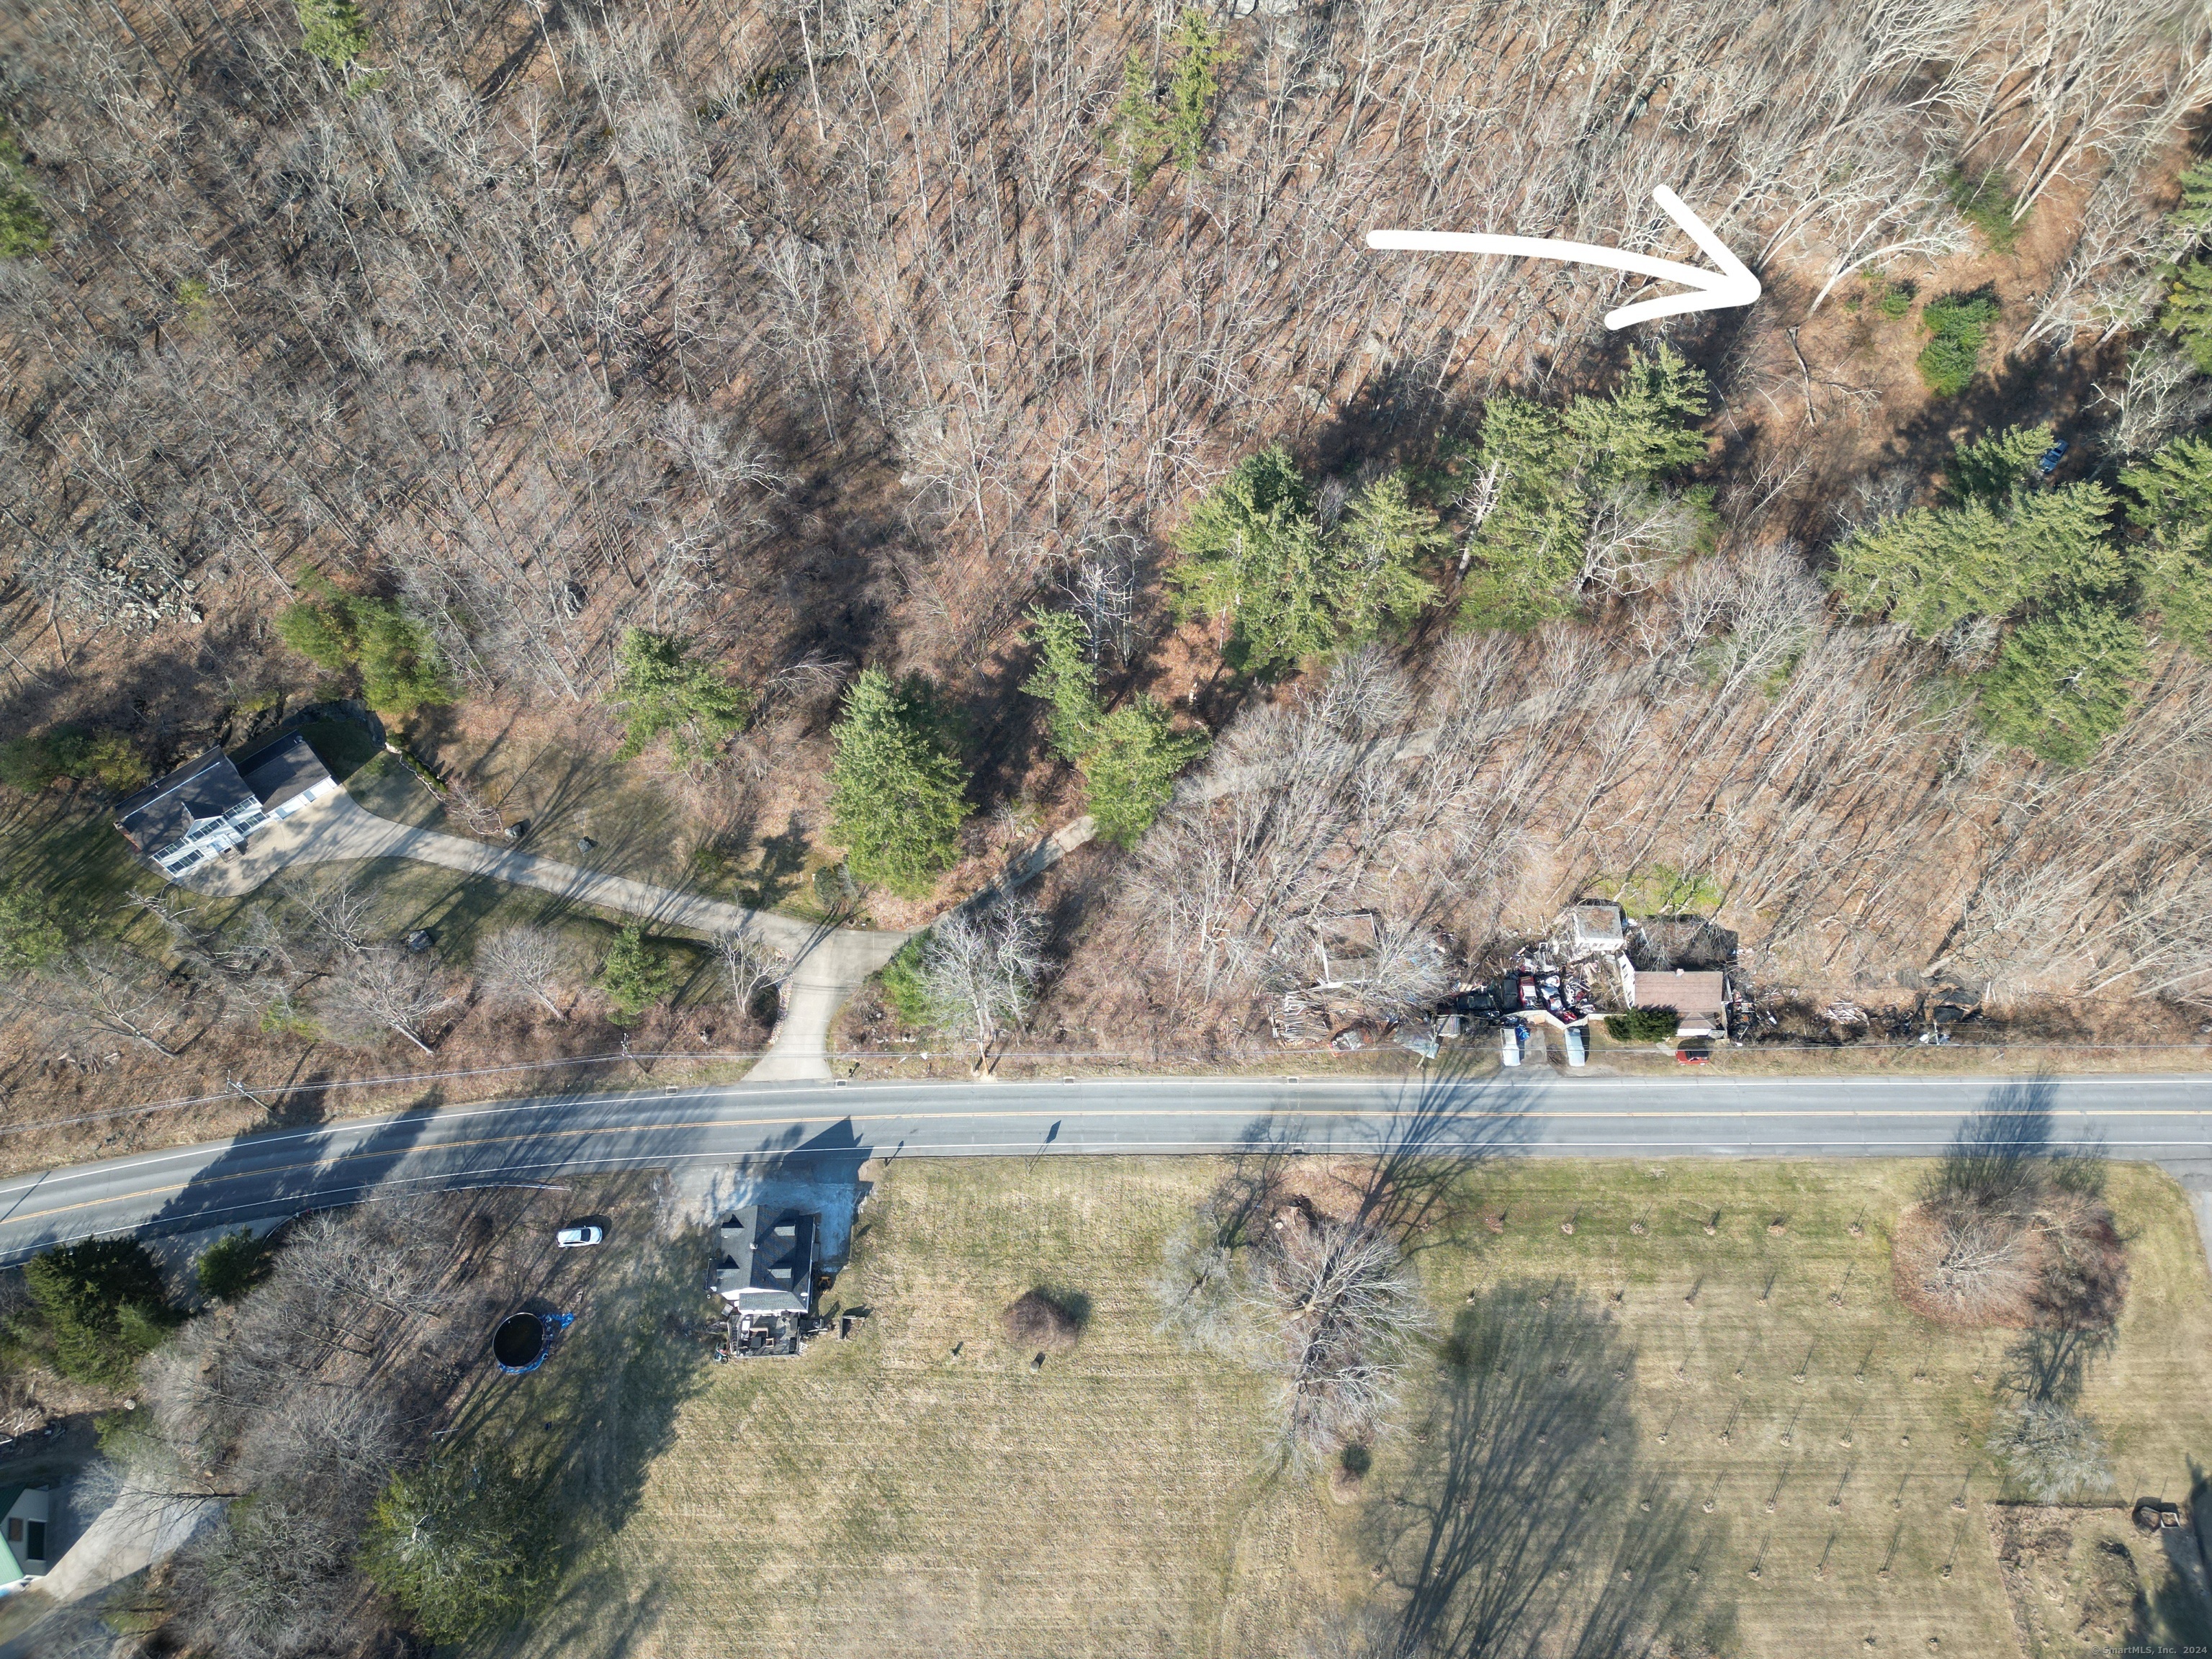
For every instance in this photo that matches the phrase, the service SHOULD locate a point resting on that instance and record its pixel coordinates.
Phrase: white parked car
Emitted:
(573, 1239)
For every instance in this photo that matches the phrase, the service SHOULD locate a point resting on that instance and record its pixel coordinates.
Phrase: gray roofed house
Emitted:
(765, 1260)
(284, 775)
(211, 806)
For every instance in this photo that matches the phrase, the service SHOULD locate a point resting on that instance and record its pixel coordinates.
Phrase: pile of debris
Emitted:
(1595, 958)
(1788, 1016)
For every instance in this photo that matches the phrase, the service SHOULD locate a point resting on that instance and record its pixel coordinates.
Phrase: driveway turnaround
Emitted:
(832, 1127)
(827, 964)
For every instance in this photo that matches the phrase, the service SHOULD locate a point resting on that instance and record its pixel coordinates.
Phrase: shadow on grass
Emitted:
(1525, 1519)
(2179, 1618)
(2052, 1366)
(64, 845)
(589, 1427)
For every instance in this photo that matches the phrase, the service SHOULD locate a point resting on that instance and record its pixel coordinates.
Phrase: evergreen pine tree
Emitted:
(665, 689)
(1065, 677)
(2170, 501)
(1257, 562)
(896, 798)
(394, 654)
(2063, 683)
(636, 976)
(461, 1546)
(1131, 768)
(102, 1307)
(2187, 313)
(1991, 469)
(25, 229)
(1934, 567)
(1553, 469)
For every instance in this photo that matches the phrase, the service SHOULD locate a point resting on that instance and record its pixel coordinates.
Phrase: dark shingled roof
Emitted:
(205, 788)
(767, 1259)
(277, 771)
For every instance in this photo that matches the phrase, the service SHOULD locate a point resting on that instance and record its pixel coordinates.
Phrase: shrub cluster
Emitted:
(107, 760)
(397, 660)
(1957, 324)
(1642, 1024)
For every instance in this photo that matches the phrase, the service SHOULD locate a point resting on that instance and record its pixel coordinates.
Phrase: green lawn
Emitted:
(1808, 1448)
(64, 845)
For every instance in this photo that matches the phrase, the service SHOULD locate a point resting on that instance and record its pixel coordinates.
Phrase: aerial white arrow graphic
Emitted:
(1710, 291)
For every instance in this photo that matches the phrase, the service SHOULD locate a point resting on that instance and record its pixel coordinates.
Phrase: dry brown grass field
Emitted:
(1809, 1450)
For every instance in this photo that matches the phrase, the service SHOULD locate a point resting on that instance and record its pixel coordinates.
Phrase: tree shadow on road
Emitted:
(1412, 1173)
(1993, 1157)
(1522, 1518)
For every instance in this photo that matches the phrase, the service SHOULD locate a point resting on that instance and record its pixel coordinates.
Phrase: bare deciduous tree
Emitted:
(339, 912)
(2162, 394)
(2049, 1451)
(1199, 1288)
(305, 1396)
(1349, 1307)
(751, 963)
(464, 803)
(522, 963)
(981, 968)
(1980, 1268)
(382, 988)
(719, 460)
(104, 990)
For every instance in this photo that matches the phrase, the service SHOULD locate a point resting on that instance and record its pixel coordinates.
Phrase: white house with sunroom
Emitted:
(211, 806)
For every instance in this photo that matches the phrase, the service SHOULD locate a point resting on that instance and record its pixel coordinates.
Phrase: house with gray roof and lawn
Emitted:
(208, 806)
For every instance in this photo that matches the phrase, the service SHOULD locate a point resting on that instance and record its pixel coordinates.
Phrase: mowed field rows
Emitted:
(1701, 1409)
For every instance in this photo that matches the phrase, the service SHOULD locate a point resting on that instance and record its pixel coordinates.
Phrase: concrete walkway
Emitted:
(827, 964)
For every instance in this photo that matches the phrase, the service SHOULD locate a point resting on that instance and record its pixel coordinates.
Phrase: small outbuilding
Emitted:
(1594, 927)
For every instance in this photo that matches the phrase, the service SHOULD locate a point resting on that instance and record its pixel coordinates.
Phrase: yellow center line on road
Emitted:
(1698, 1088)
(1800, 1115)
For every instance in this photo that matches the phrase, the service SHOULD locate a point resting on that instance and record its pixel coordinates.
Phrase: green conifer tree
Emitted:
(1131, 767)
(1931, 567)
(1152, 126)
(394, 654)
(897, 794)
(1065, 677)
(1281, 588)
(1992, 469)
(461, 1546)
(636, 975)
(25, 229)
(333, 30)
(664, 689)
(1548, 472)
(101, 1306)
(2170, 500)
(2063, 681)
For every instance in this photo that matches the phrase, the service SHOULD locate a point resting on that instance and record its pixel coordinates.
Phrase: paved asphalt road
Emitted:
(257, 1177)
